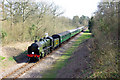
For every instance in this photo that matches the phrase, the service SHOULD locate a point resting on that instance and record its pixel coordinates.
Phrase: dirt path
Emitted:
(81, 62)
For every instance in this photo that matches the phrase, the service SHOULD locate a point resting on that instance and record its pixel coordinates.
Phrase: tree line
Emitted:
(27, 20)
(80, 21)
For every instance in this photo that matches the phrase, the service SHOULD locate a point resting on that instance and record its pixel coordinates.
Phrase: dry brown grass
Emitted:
(16, 33)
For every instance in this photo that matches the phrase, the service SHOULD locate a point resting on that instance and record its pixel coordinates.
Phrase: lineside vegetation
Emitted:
(28, 20)
(104, 26)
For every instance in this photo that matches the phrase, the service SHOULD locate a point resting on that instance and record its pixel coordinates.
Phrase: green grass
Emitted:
(64, 58)
(6, 63)
(10, 59)
(2, 58)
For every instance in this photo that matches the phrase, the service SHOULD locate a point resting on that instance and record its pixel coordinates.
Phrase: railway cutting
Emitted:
(38, 50)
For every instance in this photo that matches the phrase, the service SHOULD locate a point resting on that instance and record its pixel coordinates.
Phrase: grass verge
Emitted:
(2, 58)
(52, 73)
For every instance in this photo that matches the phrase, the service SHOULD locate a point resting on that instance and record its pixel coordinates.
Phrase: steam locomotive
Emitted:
(44, 46)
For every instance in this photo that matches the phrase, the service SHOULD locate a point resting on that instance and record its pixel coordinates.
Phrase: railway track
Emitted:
(27, 66)
(24, 68)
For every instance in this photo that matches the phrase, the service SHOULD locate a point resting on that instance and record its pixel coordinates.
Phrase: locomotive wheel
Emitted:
(51, 49)
(29, 59)
(45, 54)
(41, 56)
(48, 51)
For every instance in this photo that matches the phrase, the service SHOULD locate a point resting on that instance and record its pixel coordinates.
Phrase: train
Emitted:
(46, 45)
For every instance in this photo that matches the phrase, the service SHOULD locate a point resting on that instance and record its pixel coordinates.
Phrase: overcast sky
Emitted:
(76, 7)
